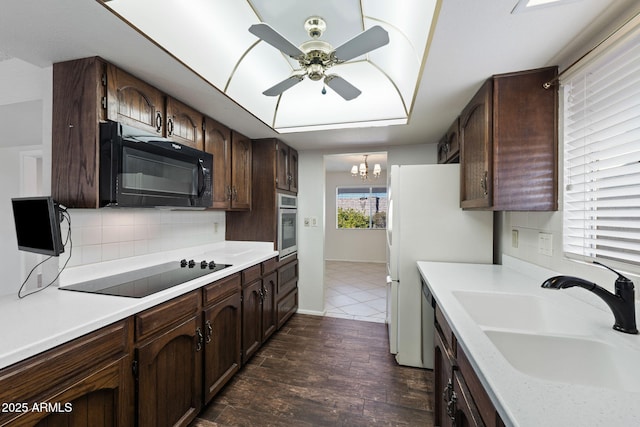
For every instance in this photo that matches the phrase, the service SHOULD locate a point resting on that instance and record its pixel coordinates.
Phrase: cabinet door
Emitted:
(240, 171)
(222, 350)
(217, 141)
(282, 166)
(184, 124)
(476, 150)
(293, 170)
(170, 376)
(251, 319)
(134, 102)
(95, 401)
(269, 284)
(442, 383)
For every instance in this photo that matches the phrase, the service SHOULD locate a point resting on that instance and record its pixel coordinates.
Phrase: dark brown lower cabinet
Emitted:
(223, 334)
(169, 363)
(460, 400)
(85, 382)
(287, 294)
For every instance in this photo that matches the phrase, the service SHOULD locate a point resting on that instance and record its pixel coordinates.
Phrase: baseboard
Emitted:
(311, 312)
(356, 260)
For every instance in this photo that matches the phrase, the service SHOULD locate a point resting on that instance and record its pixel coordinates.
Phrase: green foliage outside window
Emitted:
(352, 218)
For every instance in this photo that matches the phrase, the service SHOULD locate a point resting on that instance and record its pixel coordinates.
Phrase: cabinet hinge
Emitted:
(134, 368)
(103, 101)
(104, 79)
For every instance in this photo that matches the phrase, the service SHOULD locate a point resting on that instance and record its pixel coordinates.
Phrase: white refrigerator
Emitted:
(425, 223)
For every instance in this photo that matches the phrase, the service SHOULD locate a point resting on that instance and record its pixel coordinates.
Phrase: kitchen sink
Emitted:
(569, 359)
(528, 313)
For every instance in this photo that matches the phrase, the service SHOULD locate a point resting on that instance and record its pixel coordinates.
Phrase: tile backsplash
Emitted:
(108, 234)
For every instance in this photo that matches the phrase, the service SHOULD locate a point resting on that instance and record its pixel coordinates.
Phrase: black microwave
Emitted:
(139, 169)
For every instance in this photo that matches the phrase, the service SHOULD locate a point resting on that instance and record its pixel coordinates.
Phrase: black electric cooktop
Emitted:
(147, 281)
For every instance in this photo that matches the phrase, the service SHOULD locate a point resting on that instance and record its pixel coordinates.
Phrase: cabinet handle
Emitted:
(451, 407)
(158, 122)
(483, 183)
(446, 393)
(209, 332)
(234, 193)
(200, 339)
(170, 127)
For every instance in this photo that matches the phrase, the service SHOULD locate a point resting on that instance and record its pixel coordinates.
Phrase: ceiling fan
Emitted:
(315, 56)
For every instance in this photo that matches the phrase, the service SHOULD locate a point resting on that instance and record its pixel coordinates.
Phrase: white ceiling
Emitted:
(473, 39)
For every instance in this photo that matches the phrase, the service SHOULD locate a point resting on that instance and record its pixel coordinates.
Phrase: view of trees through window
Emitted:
(362, 207)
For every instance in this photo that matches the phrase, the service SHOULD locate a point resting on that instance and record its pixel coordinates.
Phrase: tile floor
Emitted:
(356, 290)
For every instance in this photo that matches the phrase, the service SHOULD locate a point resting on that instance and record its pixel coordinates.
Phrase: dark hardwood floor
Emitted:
(323, 371)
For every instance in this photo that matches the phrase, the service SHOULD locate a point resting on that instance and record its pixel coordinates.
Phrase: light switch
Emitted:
(306, 222)
(545, 244)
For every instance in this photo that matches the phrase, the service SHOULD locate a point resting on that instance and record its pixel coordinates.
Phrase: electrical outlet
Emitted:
(514, 238)
(545, 244)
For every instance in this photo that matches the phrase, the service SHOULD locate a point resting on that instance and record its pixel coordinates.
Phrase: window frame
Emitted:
(364, 188)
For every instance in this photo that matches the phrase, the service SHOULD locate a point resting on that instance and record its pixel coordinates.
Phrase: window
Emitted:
(601, 218)
(361, 207)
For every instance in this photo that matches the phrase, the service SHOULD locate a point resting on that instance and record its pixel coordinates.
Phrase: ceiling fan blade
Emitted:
(283, 85)
(275, 39)
(364, 42)
(342, 87)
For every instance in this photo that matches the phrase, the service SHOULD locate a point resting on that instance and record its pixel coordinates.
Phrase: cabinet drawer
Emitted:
(37, 378)
(287, 277)
(481, 398)
(443, 326)
(251, 274)
(269, 265)
(153, 320)
(287, 306)
(220, 289)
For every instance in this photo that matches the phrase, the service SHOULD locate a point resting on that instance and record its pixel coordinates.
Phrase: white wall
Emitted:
(351, 245)
(311, 201)
(97, 234)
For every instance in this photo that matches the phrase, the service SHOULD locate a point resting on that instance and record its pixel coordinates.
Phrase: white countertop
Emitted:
(52, 317)
(527, 400)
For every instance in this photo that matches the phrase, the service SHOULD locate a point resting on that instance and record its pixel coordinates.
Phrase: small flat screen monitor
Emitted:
(37, 221)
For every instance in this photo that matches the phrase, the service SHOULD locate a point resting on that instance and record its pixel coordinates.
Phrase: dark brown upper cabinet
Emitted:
(286, 168)
(508, 144)
(134, 102)
(184, 124)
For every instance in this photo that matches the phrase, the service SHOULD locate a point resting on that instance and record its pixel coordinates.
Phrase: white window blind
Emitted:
(601, 204)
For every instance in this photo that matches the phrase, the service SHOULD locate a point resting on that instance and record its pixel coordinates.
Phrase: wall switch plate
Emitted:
(545, 244)
(314, 221)
(514, 238)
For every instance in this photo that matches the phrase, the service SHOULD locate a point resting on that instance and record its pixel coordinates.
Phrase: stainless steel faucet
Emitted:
(622, 304)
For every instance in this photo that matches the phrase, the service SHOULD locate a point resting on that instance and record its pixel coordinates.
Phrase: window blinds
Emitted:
(601, 119)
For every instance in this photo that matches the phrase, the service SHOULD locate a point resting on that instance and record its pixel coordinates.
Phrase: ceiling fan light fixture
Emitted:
(315, 26)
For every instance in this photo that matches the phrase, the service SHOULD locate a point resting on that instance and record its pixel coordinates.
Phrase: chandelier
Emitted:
(363, 170)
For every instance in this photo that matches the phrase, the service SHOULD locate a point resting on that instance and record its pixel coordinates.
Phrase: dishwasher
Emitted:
(427, 320)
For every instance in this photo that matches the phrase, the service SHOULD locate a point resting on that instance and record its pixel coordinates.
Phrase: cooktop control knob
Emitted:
(183, 263)
(203, 264)
(192, 263)
(212, 265)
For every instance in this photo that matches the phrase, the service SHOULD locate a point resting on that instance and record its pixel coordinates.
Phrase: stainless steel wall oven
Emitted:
(287, 225)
